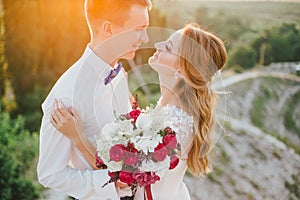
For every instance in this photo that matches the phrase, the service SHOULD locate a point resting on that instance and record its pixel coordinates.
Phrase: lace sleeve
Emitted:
(182, 124)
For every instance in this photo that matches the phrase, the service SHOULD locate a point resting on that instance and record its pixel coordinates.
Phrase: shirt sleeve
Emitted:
(54, 171)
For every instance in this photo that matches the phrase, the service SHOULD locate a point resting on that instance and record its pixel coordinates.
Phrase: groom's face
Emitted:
(128, 36)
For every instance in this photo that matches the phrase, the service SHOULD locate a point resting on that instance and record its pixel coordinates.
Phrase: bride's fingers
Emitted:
(62, 109)
(53, 122)
(55, 117)
(59, 116)
(74, 113)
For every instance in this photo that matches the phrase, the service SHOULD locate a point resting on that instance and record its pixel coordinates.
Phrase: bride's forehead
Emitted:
(175, 37)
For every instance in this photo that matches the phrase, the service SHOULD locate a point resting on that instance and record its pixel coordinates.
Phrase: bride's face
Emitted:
(166, 60)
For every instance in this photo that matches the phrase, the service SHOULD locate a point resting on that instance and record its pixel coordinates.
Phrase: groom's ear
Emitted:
(107, 28)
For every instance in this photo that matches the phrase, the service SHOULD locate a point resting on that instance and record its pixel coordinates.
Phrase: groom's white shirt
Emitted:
(61, 166)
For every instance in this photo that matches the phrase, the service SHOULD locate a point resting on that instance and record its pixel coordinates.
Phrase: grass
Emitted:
(284, 140)
(258, 151)
(243, 193)
(289, 120)
(294, 188)
(214, 176)
(257, 112)
(224, 158)
(276, 154)
(228, 139)
(255, 185)
(231, 181)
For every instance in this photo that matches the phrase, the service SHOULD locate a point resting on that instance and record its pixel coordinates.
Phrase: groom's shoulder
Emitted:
(68, 79)
(66, 84)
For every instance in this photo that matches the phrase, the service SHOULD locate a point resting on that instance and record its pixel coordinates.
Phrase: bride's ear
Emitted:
(178, 75)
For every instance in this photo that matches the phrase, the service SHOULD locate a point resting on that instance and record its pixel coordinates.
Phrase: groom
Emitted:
(94, 88)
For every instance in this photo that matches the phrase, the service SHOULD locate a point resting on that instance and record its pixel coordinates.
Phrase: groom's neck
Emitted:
(101, 49)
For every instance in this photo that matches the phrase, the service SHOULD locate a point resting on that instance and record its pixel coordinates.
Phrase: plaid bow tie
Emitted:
(113, 73)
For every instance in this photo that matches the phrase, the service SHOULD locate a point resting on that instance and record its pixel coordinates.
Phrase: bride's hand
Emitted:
(66, 121)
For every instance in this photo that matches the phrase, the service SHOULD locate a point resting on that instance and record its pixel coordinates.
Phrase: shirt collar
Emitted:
(97, 64)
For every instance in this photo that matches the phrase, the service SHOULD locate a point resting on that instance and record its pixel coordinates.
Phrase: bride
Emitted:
(185, 63)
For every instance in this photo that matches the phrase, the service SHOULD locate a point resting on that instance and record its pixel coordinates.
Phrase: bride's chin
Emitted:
(151, 59)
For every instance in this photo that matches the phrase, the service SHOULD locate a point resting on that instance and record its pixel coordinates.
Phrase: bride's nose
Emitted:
(158, 45)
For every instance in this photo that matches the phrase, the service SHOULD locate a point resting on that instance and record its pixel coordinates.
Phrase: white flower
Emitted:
(125, 126)
(127, 134)
(149, 133)
(114, 166)
(110, 130)
(149, 165)
(147, 144)
(144, 121)
(102, 149)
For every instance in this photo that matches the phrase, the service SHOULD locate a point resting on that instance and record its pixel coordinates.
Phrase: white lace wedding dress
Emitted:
(171, 185)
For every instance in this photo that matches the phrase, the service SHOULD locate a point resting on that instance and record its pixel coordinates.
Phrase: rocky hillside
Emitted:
(257, 154)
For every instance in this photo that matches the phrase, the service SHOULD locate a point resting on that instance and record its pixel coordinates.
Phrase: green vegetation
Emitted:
(48, 43)
(243, 56)
(3, 61)
(224, 158)
(19, 149)
(268, 95)
(258, 152)
(294, 187)
(217, 171)
(251, 34)
(276, 154)
(278, 44)
(289, 113)
(40, 39)
(284, 140)
(257, 113)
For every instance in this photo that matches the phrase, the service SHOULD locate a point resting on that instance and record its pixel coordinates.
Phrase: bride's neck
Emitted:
(168, 97)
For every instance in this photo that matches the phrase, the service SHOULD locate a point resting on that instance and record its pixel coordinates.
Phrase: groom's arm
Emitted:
(54, 171)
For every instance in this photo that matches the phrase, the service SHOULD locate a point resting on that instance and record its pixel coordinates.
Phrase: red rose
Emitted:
(170, 141)
(174, 160)
(134, 114)
(160, 152)
(126, 177)
(168, 130)
(116, 152)
(152, 178)
(99, 162)
(139, 177)
(113, 175)
(145, 178)
(130, 147)
(131, 158)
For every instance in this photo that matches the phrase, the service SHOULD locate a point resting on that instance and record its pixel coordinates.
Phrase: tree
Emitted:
(43, 38)
(3, 63)
(18, 150)
(280, 44)
(243, 56)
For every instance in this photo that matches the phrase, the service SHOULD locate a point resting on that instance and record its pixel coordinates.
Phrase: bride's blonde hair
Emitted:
(201, 55)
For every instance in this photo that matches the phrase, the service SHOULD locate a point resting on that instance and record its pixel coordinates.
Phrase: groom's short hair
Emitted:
(112, 10)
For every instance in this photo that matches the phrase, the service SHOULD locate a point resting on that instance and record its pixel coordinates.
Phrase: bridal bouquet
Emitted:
(138, 148)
